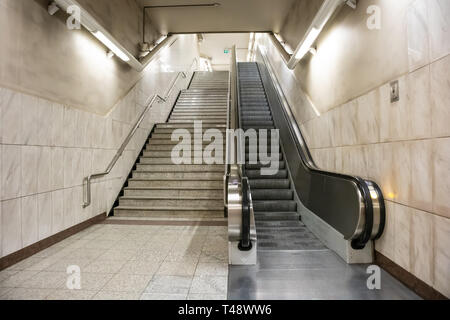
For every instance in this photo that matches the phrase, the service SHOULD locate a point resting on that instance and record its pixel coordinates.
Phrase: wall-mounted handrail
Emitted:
(156, 97)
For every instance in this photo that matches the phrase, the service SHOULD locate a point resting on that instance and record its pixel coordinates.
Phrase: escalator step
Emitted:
(256, 174)
(274, 206)
(277, 216)
(269, 184)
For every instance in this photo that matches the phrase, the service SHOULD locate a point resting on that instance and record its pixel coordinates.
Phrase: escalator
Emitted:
(350, 205)
(310, 231)
(278, 224)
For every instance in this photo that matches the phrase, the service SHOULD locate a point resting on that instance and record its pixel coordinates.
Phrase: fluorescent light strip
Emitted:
(326, 11)
(111, 46)
(91, 24)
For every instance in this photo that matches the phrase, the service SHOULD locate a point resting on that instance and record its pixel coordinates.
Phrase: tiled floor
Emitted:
(126, 262)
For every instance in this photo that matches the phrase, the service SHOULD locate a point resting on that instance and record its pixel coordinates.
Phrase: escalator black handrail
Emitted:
(245, 244)
(309, 165)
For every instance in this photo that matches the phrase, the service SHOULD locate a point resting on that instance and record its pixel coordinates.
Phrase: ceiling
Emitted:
(230, 16)
(214, 46)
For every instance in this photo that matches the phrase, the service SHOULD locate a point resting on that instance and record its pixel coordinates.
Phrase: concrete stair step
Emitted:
(197, 110)
(191, 117)
(169, 131)
(201, 103)
(174, 193)
(198, 204)
(178, 175)
(189, 125)
(170, 147)
(189, 213)
(166, 154)
(199, 142)
(203, 98)
(200, 113)
(179, 168)
(208, 121)
(175, 183)
(209, 93)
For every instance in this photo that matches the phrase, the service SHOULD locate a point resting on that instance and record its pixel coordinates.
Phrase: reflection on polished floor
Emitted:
(148, 262)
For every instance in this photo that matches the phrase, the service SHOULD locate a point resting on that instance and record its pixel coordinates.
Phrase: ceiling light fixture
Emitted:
(326, 11)
(110, 45)
(91, 24)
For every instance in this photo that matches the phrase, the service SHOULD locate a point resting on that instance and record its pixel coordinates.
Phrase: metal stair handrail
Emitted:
(156, 97)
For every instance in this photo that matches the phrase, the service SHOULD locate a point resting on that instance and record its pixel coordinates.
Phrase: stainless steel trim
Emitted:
(227, 163)
(87, 180)
(376, 210)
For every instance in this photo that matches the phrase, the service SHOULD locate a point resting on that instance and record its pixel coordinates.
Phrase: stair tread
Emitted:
(200, 188)
(211, 208)
(168, 198)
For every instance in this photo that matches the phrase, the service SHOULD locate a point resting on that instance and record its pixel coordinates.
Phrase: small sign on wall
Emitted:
(395, 91)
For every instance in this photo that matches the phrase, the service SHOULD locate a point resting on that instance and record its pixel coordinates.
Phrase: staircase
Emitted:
(161, 189)
(278, 224)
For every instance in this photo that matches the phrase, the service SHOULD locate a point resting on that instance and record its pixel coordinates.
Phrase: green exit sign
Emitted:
(226, 51)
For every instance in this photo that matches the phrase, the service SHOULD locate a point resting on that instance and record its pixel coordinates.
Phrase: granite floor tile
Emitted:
(26, 264)
(214, 257)
(140, 267)
(149, 255)
(84, 253)
(26, 294)
(45, 280)
(127, 283)
(212, 269)
(163, 296)
(209, 285)
(169, 284)
(5, 274)
(182, 268)
(91, 281)
(117, 295)
(17, 279)
(103, 266)
(63, 264)
(200, 296)
(65, 294)
(120, 255)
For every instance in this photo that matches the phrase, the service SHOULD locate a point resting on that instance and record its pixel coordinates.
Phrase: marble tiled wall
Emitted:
(46, 149)
(403, 146)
